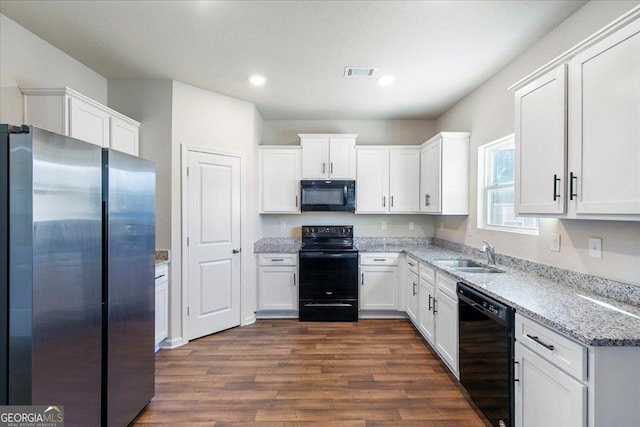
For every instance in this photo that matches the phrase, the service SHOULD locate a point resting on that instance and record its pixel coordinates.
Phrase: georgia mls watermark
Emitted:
(31, 416)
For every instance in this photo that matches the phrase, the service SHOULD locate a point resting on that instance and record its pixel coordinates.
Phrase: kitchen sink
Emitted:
(467, 266)
(458, 263)
(479, 270)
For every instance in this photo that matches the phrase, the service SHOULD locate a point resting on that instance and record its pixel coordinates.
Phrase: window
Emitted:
(496, 208)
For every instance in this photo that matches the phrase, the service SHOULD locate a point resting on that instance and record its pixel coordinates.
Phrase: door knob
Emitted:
(236, 250)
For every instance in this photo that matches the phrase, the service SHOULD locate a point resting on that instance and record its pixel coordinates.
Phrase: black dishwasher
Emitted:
(486, 338)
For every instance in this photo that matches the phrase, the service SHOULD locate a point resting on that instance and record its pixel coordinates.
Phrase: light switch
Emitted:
(384, 225)
(411, 225)
(555, 242)
(283, 225)
(595, 247)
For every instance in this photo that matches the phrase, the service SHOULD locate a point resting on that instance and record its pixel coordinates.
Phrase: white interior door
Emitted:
(213, 259)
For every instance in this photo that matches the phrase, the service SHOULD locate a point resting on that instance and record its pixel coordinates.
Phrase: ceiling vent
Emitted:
(359, 71)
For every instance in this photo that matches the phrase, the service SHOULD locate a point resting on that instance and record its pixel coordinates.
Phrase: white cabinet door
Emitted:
(430, 173)
(404, 183)
(541, 142)
(378, 288)
(604, 125)
(162, 304)
(342, 158)
(545, 395)
(279, 180)
(372, 181)
(426, 317)
(446, 309)
(412, 293)
(123, 136)
(277, 288)
(88, 123)
(315, 157)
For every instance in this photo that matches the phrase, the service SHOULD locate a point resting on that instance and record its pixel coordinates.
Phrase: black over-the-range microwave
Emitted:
(324, 195)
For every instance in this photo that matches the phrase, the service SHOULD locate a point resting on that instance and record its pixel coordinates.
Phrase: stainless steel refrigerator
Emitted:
(77, 284)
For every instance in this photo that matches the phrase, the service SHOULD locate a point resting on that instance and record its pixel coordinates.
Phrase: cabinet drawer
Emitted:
(412, 265)
(162, 273)
(278, 259)
(447, 285)
(379, 258)
(552, 346)
(427, 273)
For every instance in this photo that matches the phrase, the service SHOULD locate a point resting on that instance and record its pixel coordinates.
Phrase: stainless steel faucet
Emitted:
(491, 252)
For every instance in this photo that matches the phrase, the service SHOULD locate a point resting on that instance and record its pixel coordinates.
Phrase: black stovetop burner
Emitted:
(327, 237)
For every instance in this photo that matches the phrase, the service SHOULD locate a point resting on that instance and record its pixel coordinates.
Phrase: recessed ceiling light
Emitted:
(257, 80)
(386, 80)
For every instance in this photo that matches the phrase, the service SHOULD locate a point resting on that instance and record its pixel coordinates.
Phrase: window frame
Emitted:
(485, 174)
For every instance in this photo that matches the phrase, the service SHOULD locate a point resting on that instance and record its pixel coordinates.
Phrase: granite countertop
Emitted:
(558, 302)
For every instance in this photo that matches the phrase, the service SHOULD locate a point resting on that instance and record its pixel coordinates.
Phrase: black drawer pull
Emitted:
(536, 339)
(162, 275)
(556, 180)
(380, 259)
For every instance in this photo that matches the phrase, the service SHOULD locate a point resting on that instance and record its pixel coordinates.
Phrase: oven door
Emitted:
(326, 275)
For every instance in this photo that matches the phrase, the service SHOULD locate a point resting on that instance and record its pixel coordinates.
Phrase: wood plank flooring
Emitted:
(286, 373)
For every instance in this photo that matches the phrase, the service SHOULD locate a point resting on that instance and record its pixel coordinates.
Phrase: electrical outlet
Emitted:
(283, 225)
(441, 225)
(384, 225)
(411, 225)
(595, 247)
(555, 242)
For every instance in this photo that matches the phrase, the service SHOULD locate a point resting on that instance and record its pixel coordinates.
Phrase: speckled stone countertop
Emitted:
(162, 257)
(592, 310)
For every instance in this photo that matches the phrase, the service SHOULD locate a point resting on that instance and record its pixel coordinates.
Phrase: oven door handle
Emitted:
(325, 255)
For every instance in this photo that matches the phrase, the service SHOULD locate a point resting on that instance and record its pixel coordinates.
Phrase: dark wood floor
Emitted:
(290, 373)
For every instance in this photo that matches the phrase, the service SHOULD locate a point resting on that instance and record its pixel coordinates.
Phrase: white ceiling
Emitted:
(439, 51)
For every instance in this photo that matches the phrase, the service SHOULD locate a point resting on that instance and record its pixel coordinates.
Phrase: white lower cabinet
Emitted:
(560, 382)
(379, 281)
(545, 395)
(446, 312)
(412, 290)
(277, 282)
(162, 303)
(438, 314)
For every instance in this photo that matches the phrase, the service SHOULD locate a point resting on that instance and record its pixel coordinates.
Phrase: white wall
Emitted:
(364, 225)
(26, 60)
(488, 113)
(150, 103)
(205, 119)
(370, 132)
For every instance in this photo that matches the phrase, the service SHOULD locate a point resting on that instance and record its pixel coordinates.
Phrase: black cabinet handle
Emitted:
(556, 180)
(430, 302)
(516, 370)
(414, 289)
(536, 339)
(426, 199)
(571, 193)
(362, 280)
(434, 306)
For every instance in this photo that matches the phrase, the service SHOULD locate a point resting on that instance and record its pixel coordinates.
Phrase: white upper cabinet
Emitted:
(328, 156)
(541, 141)
(279, 176)
(372, 182)
(87, 122)
(70, 113)
(387, 179)
(604, 125)
(123, 136)
(578, 129)
(404, 182)
(444, 174)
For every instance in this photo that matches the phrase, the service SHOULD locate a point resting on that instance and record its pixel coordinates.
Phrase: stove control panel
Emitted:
(310, 231)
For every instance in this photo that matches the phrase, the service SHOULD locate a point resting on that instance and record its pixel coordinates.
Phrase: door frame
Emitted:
(184, 211)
